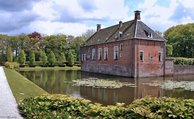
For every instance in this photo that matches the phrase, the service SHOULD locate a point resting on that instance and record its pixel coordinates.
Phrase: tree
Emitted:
(43, 58)
(181, 37)
(169, 50)
(70, 58)
(9, 54)
(88, 34)
(51, 58)
(22, 57)
(32, 58)
(35, 35)
(62, 58)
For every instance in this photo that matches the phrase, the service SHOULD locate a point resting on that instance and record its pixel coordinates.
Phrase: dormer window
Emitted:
(120, 34)
(148, 34)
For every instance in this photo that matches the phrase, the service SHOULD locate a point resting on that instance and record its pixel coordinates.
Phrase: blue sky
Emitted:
(74, 17)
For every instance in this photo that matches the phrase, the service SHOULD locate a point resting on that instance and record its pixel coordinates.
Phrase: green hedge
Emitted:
(11, 65)
(183, 61)
(62, 106)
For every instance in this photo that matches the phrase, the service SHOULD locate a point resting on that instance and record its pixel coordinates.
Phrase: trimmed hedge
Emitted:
(183, 61)
(62, 106)
(11, 65)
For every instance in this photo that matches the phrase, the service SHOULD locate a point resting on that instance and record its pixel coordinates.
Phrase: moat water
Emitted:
(62, 82)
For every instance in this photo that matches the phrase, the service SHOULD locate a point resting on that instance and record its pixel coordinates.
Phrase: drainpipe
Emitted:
(164, 61)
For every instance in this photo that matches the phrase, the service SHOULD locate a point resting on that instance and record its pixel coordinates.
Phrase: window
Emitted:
(120, 34)
(160, 56)
(148, 34)
(121, 46)
(84, 57)
(141, 56)
(99, 53)
(106, 53)
(93, 54)
(116, 52)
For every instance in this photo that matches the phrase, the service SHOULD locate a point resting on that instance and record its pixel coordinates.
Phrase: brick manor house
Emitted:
(129, 49)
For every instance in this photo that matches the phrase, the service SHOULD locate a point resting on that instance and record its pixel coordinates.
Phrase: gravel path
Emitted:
(8, 105)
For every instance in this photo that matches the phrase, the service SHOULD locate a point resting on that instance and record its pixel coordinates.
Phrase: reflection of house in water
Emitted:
(108, 96)
(125, 94)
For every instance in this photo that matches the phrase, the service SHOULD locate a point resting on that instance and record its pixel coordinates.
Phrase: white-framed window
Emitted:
(93, 54)
(160, 56)
(116, 52)
(99, 53)
(105, 53)
(141, 55)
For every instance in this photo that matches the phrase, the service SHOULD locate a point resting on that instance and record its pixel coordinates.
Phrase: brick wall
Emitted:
(180, 70)
(150, 66)
(128, 63)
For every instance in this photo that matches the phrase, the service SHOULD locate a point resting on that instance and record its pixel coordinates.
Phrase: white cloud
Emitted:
(49, 27)
(158, 16)
(69, 17)
(187, 3)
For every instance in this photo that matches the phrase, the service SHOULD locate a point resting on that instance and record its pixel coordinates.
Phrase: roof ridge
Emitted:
(116, 25)
(128, 27)
(135, 31)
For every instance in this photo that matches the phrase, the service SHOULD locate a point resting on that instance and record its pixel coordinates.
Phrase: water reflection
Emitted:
(61, 82)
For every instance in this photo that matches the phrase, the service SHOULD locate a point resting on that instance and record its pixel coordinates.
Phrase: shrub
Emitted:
(183, 61)
(11, 65)
(62, 106)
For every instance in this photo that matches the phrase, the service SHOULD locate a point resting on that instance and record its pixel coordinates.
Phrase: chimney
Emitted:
(120, 24)
(98, 27)
(137, 15)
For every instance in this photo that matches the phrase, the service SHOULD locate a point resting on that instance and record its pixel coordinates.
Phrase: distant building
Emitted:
(129, 49)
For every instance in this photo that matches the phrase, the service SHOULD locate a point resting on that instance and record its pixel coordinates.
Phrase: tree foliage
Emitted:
(181, 37)
(169, 50)
(51, 58)
(32, 58)
(59, 44)
(9, 54)
(70, 58)
(22, 57)
(43, 58)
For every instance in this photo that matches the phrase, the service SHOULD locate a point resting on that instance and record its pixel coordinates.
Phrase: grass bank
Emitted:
(22, 87)
(49, 68)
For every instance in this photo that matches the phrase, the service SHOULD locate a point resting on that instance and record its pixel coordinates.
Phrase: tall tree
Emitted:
(51, 58)
(70, 58)
(32, 58)
(88, 34)
(22, 57)
(43, 58)
(9, 54)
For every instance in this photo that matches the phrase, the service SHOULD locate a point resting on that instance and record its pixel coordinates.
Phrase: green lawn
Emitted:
(49, 68)
(22, 87)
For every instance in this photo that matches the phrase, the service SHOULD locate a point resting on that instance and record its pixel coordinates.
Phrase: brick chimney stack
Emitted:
(137, 15)
(120, 24)
(98, 27)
